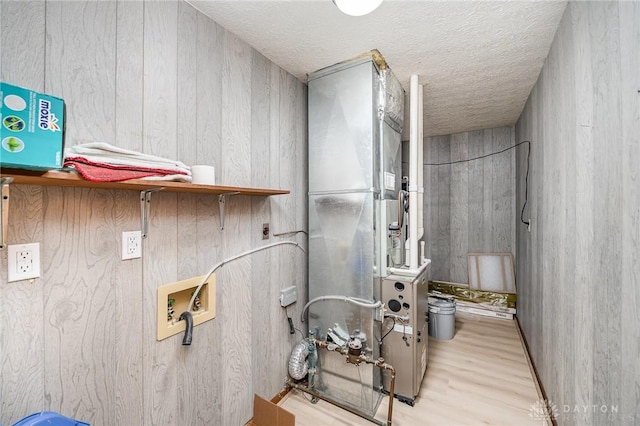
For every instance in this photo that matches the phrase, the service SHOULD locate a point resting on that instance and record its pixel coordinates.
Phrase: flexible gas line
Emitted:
(186, 315)
(232, 258)
(355, 300)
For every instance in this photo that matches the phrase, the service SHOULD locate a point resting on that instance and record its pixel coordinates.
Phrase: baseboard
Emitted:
(276, 399)
(539, 386)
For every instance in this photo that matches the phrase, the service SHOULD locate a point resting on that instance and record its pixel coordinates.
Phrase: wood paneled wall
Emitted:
(578, 269)
(468, 207)
(161, 78)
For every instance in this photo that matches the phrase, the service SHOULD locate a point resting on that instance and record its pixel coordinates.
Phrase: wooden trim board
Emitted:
(280, 396)
(534, 370)
(58, 178)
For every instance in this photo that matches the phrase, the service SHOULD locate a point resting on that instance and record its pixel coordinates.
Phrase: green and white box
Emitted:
(31, 129)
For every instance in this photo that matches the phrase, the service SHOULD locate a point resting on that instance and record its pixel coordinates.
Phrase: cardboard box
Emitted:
(266, 413)
(31, 129)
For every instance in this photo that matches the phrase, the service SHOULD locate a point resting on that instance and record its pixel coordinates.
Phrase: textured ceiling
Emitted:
(478, 60)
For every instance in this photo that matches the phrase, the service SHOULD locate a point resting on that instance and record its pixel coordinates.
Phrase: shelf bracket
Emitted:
(4, 210)
(145, 203)
(221, 203)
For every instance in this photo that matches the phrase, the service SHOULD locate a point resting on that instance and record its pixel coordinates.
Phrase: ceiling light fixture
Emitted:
(357, 7)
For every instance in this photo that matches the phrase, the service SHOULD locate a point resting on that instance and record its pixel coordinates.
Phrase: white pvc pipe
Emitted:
(411, 272)
(420, 162)
(414, 135)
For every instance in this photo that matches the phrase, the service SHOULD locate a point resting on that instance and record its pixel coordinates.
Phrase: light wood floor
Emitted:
(480, 377)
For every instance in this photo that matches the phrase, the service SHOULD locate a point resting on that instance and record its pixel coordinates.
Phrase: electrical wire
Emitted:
(299, 331)
(478, 158)
(403, 206)
(310, 400)
(280, 234)
(390, 330)
(286, 311)
(526, 186)
(526, 179)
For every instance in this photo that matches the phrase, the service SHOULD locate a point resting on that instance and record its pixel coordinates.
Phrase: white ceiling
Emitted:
(478, 60)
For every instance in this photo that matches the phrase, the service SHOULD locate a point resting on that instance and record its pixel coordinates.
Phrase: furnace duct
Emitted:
(356, 113)
(298, 367)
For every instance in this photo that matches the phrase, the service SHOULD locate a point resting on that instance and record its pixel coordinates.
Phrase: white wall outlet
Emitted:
(288, 296)
(23, 261)
(131, 245)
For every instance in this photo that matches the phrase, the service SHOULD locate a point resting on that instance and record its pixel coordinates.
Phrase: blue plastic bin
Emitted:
(49, 418)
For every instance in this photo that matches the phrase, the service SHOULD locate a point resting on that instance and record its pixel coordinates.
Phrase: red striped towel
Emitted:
(104, 172)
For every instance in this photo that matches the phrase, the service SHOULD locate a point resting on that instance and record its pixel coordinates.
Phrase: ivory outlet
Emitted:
(173, 300)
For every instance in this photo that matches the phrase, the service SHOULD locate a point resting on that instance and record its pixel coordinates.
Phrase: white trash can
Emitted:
(442, 319)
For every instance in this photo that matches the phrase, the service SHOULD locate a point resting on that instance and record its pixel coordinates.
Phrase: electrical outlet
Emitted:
(131, 245)
(23, 261)
(265, 231)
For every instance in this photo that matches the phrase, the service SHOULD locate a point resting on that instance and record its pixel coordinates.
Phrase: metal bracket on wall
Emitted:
(4, 210)
(221, 203)
(145, 202)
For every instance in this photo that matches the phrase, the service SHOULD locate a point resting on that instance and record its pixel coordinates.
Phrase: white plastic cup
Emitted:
(203, 175)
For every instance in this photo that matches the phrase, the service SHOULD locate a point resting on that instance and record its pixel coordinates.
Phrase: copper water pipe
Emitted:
(383, 365)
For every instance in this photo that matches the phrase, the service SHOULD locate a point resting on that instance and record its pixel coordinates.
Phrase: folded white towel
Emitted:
(101, 152)
(174, 178)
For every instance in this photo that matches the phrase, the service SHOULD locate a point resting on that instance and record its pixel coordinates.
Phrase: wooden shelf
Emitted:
(57, 178)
